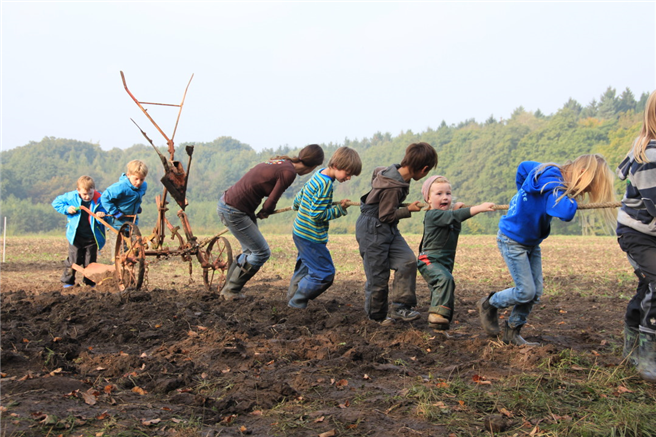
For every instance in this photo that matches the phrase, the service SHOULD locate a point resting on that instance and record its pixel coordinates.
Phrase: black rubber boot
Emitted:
(511, 336)
(236, 280)
(647, 356)
(301, 297)
(488, 315)
(630, 352)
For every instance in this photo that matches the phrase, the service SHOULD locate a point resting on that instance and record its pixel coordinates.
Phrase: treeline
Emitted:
(480, 159)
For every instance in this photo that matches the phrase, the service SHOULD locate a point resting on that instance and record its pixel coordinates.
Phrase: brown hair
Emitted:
(310, 156)
(648, 131)
(137, 167)
(85, 183)
(346, 159)
(419, 155)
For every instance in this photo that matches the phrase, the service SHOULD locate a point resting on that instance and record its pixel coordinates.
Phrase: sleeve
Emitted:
(523, 170)
(61, 203)
(388, 206)
(319, 205)
(644, 180)
(297, 199)
(285, 179)
(565, 209)
(445, 218)
(108, 199)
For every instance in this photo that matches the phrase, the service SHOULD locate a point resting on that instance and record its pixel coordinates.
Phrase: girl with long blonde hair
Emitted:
(636, 235)
(544, 191)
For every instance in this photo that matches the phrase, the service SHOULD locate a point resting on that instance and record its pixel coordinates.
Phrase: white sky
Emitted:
(274, 73)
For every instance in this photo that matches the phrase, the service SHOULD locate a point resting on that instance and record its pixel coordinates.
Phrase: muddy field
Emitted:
(174, 359)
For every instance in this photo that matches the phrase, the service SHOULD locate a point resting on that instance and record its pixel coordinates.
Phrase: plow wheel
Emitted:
(215, 260)
(130, 258)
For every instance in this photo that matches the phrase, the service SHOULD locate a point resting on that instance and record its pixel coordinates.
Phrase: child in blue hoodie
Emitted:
(122, 200)
(85, 235)
(544, 191)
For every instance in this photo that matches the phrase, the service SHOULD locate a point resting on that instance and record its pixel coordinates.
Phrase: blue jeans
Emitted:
(254, 247)
(525, 266)
(314, 272)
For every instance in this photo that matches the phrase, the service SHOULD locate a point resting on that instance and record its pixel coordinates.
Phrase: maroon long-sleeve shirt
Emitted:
(264, 180)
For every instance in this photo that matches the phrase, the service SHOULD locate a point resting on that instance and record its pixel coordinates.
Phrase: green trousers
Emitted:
(442, 287)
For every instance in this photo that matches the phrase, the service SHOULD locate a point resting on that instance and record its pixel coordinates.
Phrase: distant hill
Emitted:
(480, 159)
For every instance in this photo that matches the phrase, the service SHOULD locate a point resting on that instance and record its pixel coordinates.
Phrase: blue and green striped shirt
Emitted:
(314, 204)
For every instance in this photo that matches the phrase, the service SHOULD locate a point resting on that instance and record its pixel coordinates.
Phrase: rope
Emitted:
(496, 207)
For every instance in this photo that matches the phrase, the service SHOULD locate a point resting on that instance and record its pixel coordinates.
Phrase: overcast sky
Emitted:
(274, 73)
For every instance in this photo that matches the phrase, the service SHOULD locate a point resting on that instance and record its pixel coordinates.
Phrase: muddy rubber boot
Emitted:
(647, 356)
(302, 296)
(630, 351)
(511, 336)
(437, 321)
(488, 315)
(237, 279)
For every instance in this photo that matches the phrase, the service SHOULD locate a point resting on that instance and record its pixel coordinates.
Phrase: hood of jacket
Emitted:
(388, 177)
(547, 179)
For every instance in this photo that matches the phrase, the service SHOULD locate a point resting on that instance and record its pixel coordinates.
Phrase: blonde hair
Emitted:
(648, 131)
(85, 183)
(587, 174)
(346, 159)
(137, 167)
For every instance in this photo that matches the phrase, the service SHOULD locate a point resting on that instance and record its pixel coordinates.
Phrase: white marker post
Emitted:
(4, 239)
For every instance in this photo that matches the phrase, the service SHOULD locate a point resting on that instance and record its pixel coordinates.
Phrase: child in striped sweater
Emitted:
(314, 272)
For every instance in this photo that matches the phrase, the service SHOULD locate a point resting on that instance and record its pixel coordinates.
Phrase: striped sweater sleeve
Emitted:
(315, 208)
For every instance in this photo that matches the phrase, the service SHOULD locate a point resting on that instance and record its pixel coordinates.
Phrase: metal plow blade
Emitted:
(96, 272)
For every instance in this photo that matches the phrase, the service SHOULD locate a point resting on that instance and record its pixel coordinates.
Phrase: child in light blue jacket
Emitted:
(85, 235)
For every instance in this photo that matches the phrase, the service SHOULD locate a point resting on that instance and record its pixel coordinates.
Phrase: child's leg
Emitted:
(320, 271)
(255, 249)
(300, 271)
(68, 277)
(404, 263)
(90, 254)
(373, 240)
(442, 287)
(525, 266)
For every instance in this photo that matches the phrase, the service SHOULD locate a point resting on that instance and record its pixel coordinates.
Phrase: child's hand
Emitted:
(483, 207)
(72, 210)
(262, 215)
(458, 205)
(100, 214)
(414, 207)
(344, 203)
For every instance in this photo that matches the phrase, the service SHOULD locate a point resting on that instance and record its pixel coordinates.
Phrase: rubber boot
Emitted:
(647, 356)
(511, 336)
(630, 351)
(439, 322)
(488, 315)
(237, 279)
(303, 295)
(300, 271)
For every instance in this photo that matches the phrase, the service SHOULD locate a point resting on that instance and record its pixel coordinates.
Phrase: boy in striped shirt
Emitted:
(314, 272)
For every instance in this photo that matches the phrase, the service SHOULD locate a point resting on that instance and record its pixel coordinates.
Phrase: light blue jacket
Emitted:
(122, 197)
(72, 198)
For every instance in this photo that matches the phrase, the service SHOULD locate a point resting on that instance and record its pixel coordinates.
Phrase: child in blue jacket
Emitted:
(85, 235)
(544, 191)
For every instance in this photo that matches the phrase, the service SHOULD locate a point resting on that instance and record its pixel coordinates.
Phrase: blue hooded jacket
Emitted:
(123, 197)
(72, 198)
(529, 215)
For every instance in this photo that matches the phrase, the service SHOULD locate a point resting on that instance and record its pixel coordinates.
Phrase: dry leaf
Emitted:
(56, 371)
(103, 416)
(365, 376)
(89, 397)
(150, 422)
(330, 433)
(139, 390)
(192, 334)
(506, 412)
(108, 388)
(341, 383)
(243, 428)
(175, 420)
(100, 368)
(202, 328)
(319, 419)
(56, 339)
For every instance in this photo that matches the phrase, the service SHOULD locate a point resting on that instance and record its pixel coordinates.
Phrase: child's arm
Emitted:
(483, 207)
(565, 209)
(388, 206)
(63, 205)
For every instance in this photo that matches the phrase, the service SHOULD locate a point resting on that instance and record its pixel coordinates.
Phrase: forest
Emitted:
(479, 158)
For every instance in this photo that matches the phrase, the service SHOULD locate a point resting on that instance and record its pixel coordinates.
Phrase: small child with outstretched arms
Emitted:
(544, 191)
(85, 235)
(382, 247)
(122, 200)
(315, 271)
(437, 250)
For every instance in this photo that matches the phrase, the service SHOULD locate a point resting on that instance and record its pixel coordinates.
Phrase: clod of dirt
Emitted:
(495, 423)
